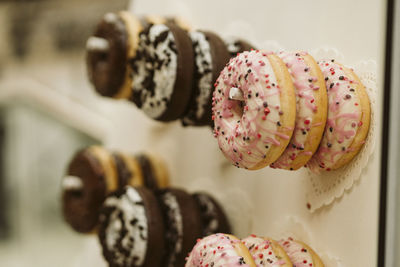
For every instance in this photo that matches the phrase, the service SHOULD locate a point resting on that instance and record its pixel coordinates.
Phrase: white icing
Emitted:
(230, 43)
(175, 217)
(164, 74)
(210, 212)
(215, 250)
(262, 252)
(97, 44)
(296, 252)
(344, 115)
(132, 208)
(72, 183)
(305, 110)
(232, 134)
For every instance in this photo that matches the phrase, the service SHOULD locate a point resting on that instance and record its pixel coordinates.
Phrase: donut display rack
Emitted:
(269, 107)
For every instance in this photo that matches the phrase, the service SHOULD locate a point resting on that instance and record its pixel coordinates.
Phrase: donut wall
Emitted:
(335, 212)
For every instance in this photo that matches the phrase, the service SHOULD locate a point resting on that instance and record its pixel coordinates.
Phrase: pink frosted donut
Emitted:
(254, 132)
(219, 250)
(348, 118)
(300, 254)
(311, 110)
(266, 252)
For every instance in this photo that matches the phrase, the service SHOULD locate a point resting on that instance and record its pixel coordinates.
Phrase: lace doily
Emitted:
(325, 187)
(293, 227)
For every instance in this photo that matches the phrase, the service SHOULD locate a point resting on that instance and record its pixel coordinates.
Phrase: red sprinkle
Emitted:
(266, 110)
(360, 123)
(259, 135)
(307, 122)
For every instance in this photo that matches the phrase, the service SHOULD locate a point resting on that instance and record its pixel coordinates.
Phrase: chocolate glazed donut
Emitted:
(108, 50)
(131, 229)
(183, 225)
(211, 55)
(163, 71)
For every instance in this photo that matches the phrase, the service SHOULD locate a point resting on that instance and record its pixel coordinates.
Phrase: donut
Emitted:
(236, 45)
(253, 133)
(182, 225)
(154, 170)
(348, 118)
(220, 250)
(266, 252)
(113, 43)
(300, 254)
(131, 228)
(210, 57)
(128, 169)
(163, 70)
(212, 215)
(311, 110)
(91, 175)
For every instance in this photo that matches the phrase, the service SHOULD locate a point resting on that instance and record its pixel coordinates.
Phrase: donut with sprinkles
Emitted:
(220, 250)
(348, 118)
(311, 110)
(300, 254)
(254, 132)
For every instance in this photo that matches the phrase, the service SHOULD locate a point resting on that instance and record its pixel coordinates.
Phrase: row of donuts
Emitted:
(286, 110)
(227, 250)
(162, 65)
(139, 219)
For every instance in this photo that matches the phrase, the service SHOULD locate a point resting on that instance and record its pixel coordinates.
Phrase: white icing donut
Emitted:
(311, 110)
(348, 118)
(254, 133)
(262, 252)
(300, 254)
(218, 250)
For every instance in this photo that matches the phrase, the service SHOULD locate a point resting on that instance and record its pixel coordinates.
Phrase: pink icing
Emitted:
(215, 250)
(262, 252)
(306, 107)
(297, 253)
(247, 130)
(344, 117)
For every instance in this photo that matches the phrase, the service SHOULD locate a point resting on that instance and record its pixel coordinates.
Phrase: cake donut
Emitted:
(348, 118)
(213, 217)
(220, 250)
(131, 230)
(210, 57)
(163, 70)
(236, 45)
(91, 175)
(311, 110)
(253, 133)
(300, 254)
(183, 225)
(113, 43)
(266, 252)
(154, 170)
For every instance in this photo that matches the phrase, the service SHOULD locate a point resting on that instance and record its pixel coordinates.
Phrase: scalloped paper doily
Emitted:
(325, 187)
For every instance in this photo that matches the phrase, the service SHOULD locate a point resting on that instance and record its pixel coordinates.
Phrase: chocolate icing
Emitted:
(211, 55)
(123, 172)
(81, 207)
(163, 72)
(131, 229)
(149, 176)
(107, 69)
(183, 225)
(212, 215)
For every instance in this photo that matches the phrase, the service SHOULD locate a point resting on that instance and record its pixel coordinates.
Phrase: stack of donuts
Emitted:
(282, 109)
(139, 219)
(162, 65)
(286, 110)
(220, 250)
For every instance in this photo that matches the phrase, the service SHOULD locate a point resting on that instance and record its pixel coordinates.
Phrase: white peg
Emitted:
(72, 183)
(97, 44)
(236, 94)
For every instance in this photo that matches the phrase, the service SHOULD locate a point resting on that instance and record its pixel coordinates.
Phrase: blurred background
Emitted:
(41, 59)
